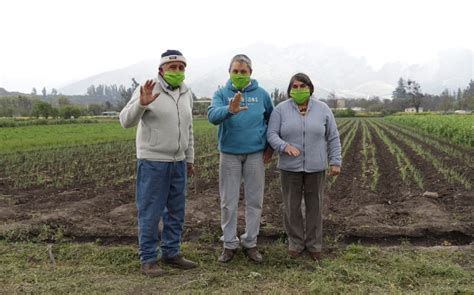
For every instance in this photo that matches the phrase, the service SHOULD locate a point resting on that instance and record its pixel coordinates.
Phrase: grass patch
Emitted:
(91, 268)
(35, 137)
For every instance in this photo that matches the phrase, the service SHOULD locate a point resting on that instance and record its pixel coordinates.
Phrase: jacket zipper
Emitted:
(179, 127)
(304, 140)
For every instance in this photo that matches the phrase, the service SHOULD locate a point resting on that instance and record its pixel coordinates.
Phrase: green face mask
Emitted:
(240, 80)
(300, 95)
(173, 78)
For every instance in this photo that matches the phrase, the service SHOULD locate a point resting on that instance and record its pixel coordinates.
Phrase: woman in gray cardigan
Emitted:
(304, 133)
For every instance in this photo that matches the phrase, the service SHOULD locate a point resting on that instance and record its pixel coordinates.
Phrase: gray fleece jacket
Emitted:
(315, 135)
(165, 126)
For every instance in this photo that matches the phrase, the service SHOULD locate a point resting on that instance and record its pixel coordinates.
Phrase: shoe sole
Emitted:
(180, 266)
(253, 260)
(155, 275)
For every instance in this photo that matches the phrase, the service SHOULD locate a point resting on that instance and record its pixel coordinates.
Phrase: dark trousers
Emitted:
(303, 231)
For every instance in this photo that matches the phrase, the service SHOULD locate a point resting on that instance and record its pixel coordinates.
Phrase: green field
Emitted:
(37, 137)
(59, 156)
(456, 128)
(53, 136)
(87, 171)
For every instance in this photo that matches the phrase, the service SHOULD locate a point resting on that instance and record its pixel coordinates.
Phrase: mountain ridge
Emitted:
(332, 69)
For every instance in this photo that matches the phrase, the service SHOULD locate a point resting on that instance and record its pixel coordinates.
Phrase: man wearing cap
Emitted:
(241, 109)
(162, 109)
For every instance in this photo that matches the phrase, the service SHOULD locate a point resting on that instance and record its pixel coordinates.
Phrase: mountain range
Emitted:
(332, 70)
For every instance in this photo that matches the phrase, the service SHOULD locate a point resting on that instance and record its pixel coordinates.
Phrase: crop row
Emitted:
(458, 128)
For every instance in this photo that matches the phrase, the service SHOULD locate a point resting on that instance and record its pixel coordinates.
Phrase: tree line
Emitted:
(60, 107)
(56, 105)
(408, 93)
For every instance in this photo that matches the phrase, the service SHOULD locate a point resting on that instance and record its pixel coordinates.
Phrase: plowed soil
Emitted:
(393, 211)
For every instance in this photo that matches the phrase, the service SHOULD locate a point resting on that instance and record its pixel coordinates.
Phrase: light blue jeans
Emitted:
(160, 194)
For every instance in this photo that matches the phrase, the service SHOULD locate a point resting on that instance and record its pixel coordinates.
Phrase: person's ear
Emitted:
(160, 70)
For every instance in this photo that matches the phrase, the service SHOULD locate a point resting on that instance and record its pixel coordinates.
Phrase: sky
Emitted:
(50, 43)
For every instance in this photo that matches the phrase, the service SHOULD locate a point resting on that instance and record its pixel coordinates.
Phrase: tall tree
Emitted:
(33, 91)
(44, 92)
(467, 101)
(24, 105)
(108, 105)
(43, 109)
(126, 93)
(99, 90)
(413, 90)
(470, 88)
(275, 94)
(91, 90)
(63, 101)
(400, 91)
(447, 101)
(459, 94)
(278, 96)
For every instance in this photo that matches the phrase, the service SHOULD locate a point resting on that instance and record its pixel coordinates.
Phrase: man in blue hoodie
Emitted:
(241, 109)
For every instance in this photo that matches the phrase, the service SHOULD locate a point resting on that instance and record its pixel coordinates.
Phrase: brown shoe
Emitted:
(294, 254)
(178, 262)
(151, 269)
(253, 254)
(227, 255)
(316, 256)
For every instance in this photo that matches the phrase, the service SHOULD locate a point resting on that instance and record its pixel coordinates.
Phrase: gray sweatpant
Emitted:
(303, 233)
(232, 170)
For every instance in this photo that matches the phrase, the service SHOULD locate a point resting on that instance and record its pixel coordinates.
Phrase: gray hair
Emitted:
(243, 59)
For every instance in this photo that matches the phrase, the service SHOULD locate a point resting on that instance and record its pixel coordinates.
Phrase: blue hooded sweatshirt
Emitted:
(245, 131)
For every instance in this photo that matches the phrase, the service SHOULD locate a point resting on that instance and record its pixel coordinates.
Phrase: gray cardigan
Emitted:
(315, 135)
(165, 126)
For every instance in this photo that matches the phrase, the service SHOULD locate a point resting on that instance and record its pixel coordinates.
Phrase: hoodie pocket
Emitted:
(154, 137)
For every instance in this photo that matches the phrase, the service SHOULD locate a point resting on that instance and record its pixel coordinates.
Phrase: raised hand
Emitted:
(292, 151)
(146, 93)
(234, 104)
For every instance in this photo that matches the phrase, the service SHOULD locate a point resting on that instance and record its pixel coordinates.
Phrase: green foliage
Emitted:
(408, 171)
(200, 107)
(344, 113)
(346, 142)
(43, 109)
(70, 112)
(55, 136)
(458, 128)
(97, 154)
(450, 173)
